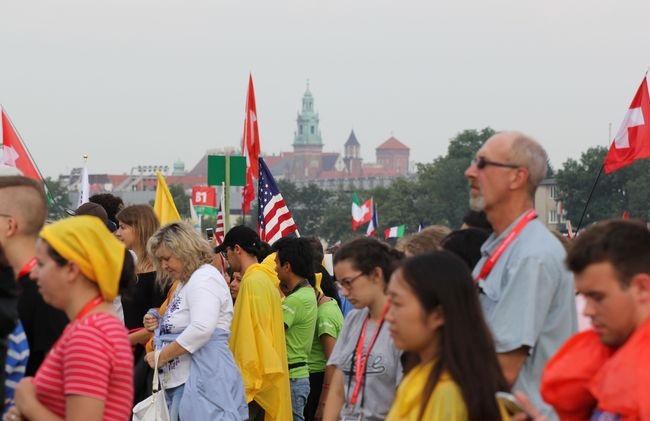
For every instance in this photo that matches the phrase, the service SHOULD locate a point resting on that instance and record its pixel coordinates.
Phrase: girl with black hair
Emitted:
(435, 314)
(368, 366)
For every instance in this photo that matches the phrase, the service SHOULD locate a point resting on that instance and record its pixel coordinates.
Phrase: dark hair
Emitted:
(111, 203)
(477, 219)
(466, 244)
(624, 244)
(127, 276)
(297, 252)
(367, 253)
(440, 280)
(317, 250)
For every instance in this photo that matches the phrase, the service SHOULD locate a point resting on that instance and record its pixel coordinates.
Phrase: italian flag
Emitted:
(394, 232)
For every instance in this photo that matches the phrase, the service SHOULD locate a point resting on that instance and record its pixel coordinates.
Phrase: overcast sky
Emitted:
(149, 82)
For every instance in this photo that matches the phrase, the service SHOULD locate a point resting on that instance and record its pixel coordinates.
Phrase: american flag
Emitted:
(219, 228)
(273, 216)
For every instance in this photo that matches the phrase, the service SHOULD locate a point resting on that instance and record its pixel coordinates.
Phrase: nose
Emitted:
(389, 315)
(470, 172)
(589, 310)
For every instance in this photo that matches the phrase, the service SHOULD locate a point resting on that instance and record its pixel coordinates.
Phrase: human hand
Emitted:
(13, 414)
(150, 359)
(150, 322)
(530, 411)
(25, 396)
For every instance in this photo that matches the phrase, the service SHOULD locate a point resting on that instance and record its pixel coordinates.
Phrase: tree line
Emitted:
(438, 194)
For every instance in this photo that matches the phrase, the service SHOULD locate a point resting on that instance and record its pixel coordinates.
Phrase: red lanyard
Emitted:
(360, 362)
(491, 261)
(27, 268)
(89, 307)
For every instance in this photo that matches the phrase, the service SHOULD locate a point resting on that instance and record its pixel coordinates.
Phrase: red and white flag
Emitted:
(274, 220)
(14, 151)
(220, 225)
(632, 141)
(250, 148)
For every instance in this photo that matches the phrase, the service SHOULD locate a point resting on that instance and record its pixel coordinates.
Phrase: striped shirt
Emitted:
(17, 356)
(92, 358)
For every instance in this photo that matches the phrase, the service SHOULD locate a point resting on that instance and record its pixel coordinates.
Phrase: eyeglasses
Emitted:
(347, 283)
(481, 163)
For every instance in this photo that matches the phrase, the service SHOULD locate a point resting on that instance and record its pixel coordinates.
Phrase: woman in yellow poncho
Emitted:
(435, 314)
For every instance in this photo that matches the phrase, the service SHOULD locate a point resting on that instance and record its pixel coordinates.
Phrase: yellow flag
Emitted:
(164, 206)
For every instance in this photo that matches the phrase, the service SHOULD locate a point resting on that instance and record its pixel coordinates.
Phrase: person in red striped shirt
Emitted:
(88, 373)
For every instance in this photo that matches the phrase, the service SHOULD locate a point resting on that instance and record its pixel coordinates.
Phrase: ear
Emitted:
(377, 275)
(519, 178)
(12, 226)
(435, 319)
(72, 271)
(640, 284)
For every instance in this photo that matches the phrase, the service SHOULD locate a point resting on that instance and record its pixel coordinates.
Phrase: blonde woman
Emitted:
(201, 379)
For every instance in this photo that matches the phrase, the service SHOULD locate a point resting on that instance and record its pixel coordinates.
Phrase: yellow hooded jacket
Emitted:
(258, 342)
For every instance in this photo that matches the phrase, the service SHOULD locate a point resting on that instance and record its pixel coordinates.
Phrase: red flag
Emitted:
(632, 141)
(364, 215)
(250, 147)
(14, 152)
(204, 196)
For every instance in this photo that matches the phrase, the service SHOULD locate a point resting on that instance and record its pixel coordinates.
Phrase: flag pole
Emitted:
(589, 198)
(226, 192)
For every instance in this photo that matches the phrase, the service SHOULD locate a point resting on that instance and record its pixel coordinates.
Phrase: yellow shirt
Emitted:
(446, 402)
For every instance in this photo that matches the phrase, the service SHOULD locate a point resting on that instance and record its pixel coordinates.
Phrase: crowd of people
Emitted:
(474, 323)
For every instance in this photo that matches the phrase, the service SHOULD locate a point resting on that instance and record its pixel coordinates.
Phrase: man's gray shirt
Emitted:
(528, 299)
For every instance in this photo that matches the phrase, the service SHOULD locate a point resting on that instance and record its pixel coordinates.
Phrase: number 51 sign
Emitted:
(204, 196)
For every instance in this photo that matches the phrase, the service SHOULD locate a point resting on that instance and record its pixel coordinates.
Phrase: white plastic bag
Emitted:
(154, 408)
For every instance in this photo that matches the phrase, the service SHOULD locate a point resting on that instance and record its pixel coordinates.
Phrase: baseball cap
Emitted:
(93, 209)
(239, 235)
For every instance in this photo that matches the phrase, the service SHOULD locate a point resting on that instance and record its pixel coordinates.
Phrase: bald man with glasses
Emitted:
(526, 292)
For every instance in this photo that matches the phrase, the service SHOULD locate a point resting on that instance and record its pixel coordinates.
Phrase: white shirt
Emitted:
(198, 307)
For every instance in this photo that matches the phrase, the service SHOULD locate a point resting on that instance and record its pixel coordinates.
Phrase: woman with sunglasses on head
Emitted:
(80, 268)
(367, 363)
(200, 377)
(435, 314)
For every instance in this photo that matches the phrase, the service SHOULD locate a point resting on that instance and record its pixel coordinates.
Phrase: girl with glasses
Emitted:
(367, 363)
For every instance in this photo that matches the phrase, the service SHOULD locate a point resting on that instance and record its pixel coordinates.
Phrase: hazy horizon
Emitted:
(148, 83)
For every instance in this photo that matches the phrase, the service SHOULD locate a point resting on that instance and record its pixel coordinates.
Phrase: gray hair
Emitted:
(528, 153)
(183, 242)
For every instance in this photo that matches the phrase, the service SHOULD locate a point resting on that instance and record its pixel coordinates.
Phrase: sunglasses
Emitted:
(481, 163)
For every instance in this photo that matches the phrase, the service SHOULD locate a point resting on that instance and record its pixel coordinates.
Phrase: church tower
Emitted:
(307, 141)
(352, 155)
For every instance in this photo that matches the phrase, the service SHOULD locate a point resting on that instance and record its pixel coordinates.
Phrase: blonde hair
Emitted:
(184, 243)
(145, 223)
(424, 241)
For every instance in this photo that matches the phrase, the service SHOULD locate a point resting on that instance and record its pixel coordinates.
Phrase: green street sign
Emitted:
(217, 170)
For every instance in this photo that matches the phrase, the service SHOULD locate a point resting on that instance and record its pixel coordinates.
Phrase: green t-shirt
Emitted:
(299, 311)
(329, 322)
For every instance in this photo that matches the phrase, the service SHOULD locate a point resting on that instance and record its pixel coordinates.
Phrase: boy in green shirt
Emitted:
(299, 309)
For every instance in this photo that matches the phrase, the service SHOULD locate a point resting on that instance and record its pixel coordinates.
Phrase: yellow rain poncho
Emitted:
(258, 342)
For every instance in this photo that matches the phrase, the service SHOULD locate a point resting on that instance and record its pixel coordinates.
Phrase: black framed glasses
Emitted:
(481, 163)
(347, 283)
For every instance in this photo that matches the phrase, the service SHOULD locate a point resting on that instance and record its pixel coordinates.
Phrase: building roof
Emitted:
(328, 160)
(352, 140)
(393, 143)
